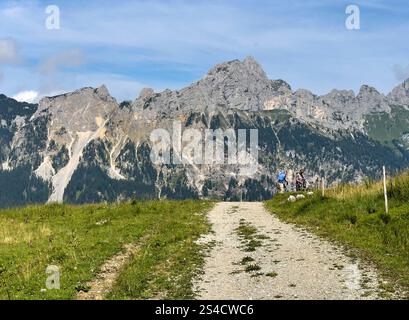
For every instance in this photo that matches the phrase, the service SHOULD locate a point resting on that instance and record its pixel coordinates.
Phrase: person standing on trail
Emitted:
(281, 182)
(290, 180)
(301, 183)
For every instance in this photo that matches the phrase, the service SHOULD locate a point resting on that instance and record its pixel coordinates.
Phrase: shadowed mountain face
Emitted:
(85, 147)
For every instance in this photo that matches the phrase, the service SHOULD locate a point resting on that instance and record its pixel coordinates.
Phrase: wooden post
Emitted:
(385, 190)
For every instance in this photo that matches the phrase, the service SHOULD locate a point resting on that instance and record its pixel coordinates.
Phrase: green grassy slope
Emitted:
(355, 217)
(386, 128)
(79, 239)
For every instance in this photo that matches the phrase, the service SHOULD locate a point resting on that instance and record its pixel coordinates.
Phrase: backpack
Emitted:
(281, 177)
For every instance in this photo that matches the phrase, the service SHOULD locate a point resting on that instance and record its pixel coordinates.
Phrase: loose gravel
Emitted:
(290, 263)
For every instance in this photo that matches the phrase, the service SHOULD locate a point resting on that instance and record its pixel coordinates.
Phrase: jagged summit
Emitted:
(244, 85)
(344, 95)
(236, 69)
(368, 90)
(102, 92)
(234, 84)
(251, 61)
(400, 94)
(78, 110)
(146, 93)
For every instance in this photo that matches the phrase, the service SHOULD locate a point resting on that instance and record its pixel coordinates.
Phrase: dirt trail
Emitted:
(292, 263)
(102, 284)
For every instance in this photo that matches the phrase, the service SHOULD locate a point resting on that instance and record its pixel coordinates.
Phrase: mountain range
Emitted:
(85, 147)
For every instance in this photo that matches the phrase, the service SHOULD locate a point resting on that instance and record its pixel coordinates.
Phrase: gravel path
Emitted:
(292, 263)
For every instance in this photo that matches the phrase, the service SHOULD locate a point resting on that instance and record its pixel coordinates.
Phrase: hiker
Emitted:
(290, 180)
(282, 182)
(301, 183)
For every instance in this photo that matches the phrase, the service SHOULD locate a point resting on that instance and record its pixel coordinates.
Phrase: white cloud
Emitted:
(8, 51)
(26, 96)
(1, 76)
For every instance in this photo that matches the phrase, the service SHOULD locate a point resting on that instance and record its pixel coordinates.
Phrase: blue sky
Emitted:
(131, 44)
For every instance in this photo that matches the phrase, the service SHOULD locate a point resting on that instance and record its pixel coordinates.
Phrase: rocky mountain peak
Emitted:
(304, 94)
(239, 70)
(76, 99)
(367, 90)
(370, 93)
(336, 94)
(400, 94)
(234, 84)
(281, 87)
(79, 110)
(253, 65)
(146, 93)
(339, 99)
(103, 92)
(371, 100)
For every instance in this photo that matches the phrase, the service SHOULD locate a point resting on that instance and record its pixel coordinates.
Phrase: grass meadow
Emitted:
(79, 239)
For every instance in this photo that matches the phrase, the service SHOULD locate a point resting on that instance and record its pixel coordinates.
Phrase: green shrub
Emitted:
(385, 217)
(351, 217)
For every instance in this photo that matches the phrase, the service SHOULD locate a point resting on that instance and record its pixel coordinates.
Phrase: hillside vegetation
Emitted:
(79, 239)
(355, 216)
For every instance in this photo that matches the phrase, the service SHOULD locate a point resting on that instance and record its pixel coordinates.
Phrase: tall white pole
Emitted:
(385, 190)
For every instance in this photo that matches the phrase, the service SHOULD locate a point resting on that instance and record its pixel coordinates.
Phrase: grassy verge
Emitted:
(355, 217)
(79, 239)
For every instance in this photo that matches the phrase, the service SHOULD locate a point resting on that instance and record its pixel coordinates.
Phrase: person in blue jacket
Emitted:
(282, 182)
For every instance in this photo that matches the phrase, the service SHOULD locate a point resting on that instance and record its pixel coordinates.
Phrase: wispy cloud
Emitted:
(61, 60)
(9, 52)
(169, 43)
